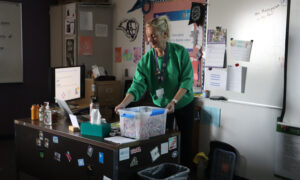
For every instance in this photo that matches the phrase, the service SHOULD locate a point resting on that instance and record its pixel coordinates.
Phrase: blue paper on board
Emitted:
(210, 116)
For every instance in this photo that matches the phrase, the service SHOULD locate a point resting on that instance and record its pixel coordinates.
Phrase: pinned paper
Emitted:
(46, 143)
(164, 148)
(57, 156)
(86, 20)
(172, 143)
(85, 46)
(101, 158)
(90, 151)
(134, 162)
(124, 154)
(101, 30)
(68, 155)
(137, 54)
(80, 162)
(55, 139)
(155, 154)
(118, 54)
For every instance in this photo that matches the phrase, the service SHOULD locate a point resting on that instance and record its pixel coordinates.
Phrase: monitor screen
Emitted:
(68, 82)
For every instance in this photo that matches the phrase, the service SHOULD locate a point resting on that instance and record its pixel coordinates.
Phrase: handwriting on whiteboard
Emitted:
(266, 12)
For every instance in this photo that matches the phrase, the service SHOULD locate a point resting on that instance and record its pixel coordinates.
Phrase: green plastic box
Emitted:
(99, 130)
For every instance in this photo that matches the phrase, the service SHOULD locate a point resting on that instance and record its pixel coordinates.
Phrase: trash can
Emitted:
(164, 171)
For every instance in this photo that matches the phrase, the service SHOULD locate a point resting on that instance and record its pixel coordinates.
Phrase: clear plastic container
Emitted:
(142, 122)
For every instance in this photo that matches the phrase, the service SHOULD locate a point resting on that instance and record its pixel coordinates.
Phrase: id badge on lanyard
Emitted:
(160, 93)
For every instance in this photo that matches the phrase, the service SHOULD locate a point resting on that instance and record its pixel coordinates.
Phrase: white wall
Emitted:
(119, 39)
(250, 129)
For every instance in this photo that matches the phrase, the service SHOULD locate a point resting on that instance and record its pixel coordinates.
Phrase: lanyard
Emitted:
(160, 73)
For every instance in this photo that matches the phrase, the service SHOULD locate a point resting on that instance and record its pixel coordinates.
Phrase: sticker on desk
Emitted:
(172, 143)
(135, 150)
(164, 148)
(90, 170)
(41, 135)
(106, 178)
(90, 151)
(134, 162)
(154, 154)
(55, 139)
(68, 155)
(57, 156)
(38, 142)
(101, 158)
(174, 154)
(80, 162)
(42, 154)
(46, 143)
(124, 154)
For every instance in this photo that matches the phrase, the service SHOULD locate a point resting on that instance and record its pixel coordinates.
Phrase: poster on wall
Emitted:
(70, 52)
(85, 45)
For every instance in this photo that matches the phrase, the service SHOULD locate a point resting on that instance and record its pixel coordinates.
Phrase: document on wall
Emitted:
(215, 78)
(240, 50)
(215, 49)
(287, 150)
(86, 20)
(236, 78)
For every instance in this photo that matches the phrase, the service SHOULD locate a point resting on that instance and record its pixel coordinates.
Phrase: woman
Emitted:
(166, 71)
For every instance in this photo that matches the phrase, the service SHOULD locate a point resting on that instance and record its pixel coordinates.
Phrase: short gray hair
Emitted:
(161, 24)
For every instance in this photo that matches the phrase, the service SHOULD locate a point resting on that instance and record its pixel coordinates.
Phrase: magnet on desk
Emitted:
(55, 139)
(172, 143)
(101, 158)
(90, 151)
(42, 154)
(57, 156)
(236, 64)
(38, 142)
(73, 129)
(68, 155)
(80, 162)
(41, 135)
(46, 143)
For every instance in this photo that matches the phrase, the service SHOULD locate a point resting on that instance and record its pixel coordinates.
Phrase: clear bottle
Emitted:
(41, 113)
(48, 115)
(95, 116)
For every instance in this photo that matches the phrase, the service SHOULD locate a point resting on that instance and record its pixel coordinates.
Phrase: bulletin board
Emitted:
(264, 22)
(11, 53)
(181, 6)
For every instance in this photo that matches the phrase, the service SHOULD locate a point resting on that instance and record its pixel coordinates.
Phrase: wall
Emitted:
(250, 129)
(120, 40)
(16, 99)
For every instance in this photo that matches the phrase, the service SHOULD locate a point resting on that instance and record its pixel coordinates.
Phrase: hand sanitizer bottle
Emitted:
(48, 115)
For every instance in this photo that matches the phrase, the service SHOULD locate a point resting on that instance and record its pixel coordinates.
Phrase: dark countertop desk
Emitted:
(38, 160)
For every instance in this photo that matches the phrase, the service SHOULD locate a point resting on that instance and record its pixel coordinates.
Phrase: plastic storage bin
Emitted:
(223, 165)
(165, 171)
(142, 122)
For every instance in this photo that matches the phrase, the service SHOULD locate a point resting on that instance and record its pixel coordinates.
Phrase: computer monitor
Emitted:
(67, 83)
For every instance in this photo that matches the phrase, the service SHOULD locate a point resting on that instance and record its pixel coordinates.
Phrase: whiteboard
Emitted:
(264, 22)
(11, 55)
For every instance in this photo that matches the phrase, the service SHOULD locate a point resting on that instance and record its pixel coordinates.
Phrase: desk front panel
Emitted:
(52, 162)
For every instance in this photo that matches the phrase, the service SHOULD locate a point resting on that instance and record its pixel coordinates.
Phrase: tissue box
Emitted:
(99, 130)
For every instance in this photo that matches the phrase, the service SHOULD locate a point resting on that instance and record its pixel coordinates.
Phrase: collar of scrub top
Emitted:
(160, 73)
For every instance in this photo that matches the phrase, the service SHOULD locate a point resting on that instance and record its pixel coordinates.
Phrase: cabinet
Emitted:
(81, 33)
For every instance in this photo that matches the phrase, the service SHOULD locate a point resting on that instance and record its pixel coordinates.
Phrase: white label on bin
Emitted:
(172, 143)
(154, 154)
(124, 154)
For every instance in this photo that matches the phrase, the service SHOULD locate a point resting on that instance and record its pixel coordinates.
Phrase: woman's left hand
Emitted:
(171, 107)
